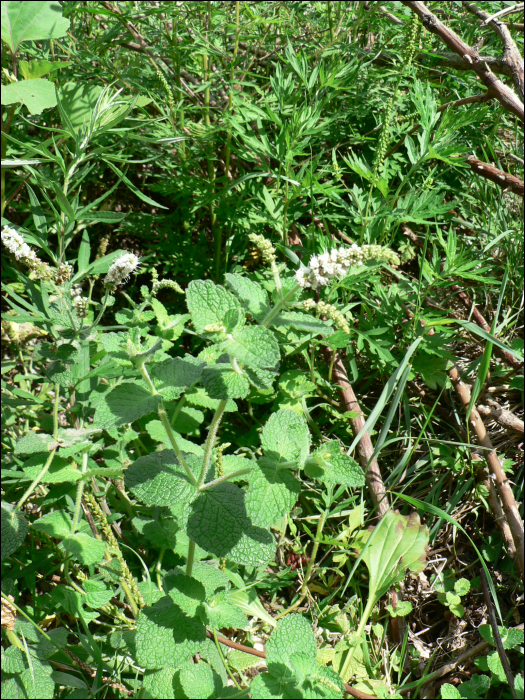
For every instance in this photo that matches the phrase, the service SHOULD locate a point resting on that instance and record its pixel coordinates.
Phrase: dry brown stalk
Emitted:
(496, 470)
(496, 87)
(493, 411)
(494, 503)
(365, 449)
(504, 180)
(511, 54)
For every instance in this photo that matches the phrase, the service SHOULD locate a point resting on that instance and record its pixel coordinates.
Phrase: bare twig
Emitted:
(504, 180)
(518, 7)
(496, 87)
(365, 449)
(496, 634)
(507, 419)
(496, 470)
(511, 54)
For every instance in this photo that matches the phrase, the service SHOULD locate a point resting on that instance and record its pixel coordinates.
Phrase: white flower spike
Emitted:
(335, 263)
(121, 269)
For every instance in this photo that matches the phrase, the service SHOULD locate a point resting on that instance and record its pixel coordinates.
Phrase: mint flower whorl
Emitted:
(322, 268)
(14, 242)
(265, 246)
(121, 269)
(329, 311)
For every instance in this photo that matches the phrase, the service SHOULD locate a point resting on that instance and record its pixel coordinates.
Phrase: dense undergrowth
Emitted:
(261, 261)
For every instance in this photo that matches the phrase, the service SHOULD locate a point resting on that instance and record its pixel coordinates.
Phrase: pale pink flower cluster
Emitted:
(121, 269)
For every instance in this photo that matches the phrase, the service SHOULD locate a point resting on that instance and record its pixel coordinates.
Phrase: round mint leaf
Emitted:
(285, 437)
(294, 635)
(166, 636)
(223, 382)
(272, 493)
(158, 480)
(219, 524)
(125, 404)
(331, 466)
(208, 304)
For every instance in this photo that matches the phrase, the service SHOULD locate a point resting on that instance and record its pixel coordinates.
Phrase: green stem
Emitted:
(227, 477)
(279, 306)
(177, 410)
(68, 578)
(330, 22)
(230, 96)
(130, 598)
(364, 619)
(190, 557)
(223, 659)
(49, 460)
(166, 423)
(302, 596)
(212, 434)
(80, 491)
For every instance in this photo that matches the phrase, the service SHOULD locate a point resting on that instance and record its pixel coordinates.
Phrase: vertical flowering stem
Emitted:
(230, 96)
(166, 423)
(80, 491)
(280, 305)
(49, 460)
(212, 434)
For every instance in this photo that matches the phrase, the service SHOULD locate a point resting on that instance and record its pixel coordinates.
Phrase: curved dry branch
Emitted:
(511, 54)
(496, 87)
(503, 488)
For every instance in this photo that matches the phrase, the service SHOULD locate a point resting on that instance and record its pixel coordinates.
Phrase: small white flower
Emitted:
(121, 269)
(302, 277)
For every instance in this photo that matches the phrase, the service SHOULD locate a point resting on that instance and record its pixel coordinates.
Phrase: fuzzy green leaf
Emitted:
(293, 635)
(219, 524)
(32, 22)
(97, 593)
(331, 466)
(14, 530)
(34, 442)
(285, 437)
(272, 493)
(251, 295)
(222, 382)
(84, 548)
(254, 346)
(159, 480)
(197, 680)
(172, 376)
(301, 322)
(166, 636)
(208, 304)
(125, 404)
(219, 612)
(55, 524)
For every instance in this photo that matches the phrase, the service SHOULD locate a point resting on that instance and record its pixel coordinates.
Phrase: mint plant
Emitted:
(214, 508)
